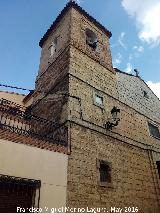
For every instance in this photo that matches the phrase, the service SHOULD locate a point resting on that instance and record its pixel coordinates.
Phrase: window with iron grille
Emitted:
(98, 99)
(104, 172)
(15, 191)
(154, 130)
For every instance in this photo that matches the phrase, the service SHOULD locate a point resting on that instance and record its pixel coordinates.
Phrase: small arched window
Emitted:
(91, 38)
(53, 47)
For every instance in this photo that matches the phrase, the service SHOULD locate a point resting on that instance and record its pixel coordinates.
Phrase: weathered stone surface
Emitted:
(81, 72)
(132, 175)
(131, 91)
(62, 33)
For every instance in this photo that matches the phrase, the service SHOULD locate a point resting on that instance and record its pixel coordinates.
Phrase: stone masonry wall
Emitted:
(138, 182)
(131, 172)
(128, 147)
(65, 90)
(133, 124)
(92, 72)
(50, 100)
(62, 33)
(79, 24)
(131, 91)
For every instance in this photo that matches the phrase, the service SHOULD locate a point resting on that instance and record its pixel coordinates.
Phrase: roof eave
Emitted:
(61, 15)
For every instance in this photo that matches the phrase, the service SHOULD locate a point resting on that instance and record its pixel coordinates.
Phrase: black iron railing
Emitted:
(5, 179)
(17, 119)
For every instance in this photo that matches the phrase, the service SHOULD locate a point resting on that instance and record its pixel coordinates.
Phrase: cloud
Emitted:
(139, 49)
(121, 40)
(128, 68)
(117, 60)
(155, 87)
(147, 16)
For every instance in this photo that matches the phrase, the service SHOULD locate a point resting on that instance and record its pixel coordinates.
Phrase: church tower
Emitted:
(75, 75)
(75, 51)
(76, 87)
(75, 69)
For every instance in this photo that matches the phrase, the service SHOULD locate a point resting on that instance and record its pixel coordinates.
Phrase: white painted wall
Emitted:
(30, 162)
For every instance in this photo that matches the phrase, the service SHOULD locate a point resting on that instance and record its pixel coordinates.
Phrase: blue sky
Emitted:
(134, 25)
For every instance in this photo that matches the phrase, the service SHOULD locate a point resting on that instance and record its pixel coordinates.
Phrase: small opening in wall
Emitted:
(98, 100)
(145, 94)
(158, 167)
(91, 38)
(154, 130)
(105, 172)
(53, 47)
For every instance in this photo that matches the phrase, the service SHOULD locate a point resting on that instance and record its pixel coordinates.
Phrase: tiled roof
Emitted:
(30, 141)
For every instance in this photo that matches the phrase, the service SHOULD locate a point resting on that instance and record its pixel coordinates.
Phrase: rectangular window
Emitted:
(158, 167)
(104, 174)
(99, 100)
(104, 170)
(154, 131)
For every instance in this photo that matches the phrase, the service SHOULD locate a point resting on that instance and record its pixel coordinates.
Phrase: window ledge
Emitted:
(99, 105)
(154, 137)
(105, 184)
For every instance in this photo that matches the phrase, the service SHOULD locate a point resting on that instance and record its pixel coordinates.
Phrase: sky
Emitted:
(135, 42)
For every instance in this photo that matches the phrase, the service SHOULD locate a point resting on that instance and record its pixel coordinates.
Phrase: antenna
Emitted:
(75, 1)
(137, 72)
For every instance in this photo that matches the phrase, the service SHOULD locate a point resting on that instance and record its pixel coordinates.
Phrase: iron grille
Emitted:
(18, 192)
(154, 131)
(15, 118)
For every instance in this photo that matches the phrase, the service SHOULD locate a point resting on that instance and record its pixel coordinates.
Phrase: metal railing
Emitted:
(16, 118)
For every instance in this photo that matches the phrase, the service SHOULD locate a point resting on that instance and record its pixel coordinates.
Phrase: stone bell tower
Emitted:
(74, 86)
(74, 45)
